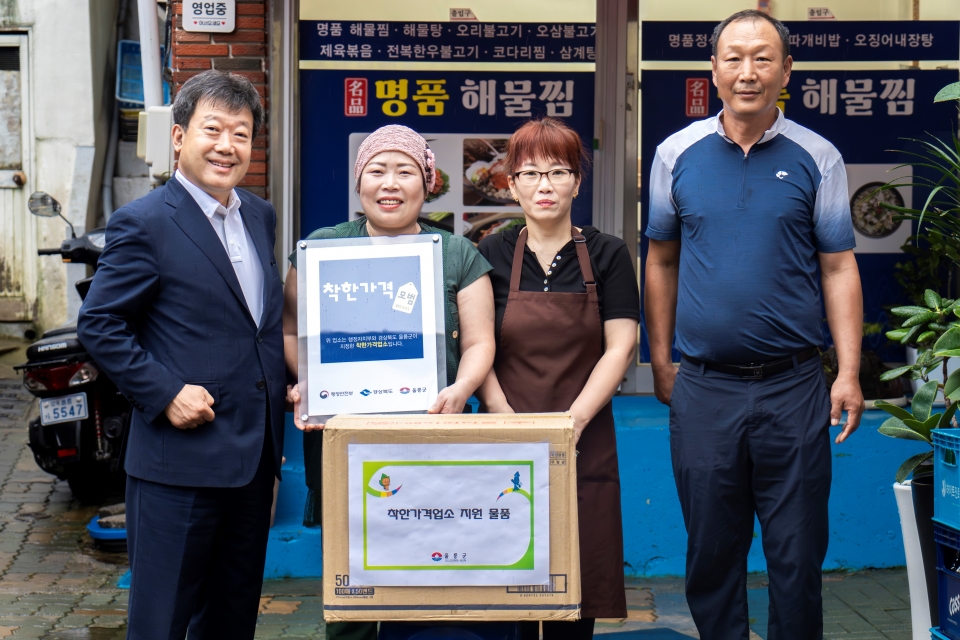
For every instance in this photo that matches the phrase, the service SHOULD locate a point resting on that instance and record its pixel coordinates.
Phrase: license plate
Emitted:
(63, 409)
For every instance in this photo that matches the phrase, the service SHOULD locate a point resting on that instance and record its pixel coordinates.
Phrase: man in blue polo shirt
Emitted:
(748, 220)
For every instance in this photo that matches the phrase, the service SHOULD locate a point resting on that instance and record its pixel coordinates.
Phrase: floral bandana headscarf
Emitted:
(395, 137)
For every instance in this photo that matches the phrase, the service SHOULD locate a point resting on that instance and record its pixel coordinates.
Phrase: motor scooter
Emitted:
(78, 436)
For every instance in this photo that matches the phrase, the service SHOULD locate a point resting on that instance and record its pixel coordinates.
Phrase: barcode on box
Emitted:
(558, 584)
(353, 591)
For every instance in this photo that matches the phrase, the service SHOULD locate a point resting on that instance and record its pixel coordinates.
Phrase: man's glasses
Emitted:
(555, 176)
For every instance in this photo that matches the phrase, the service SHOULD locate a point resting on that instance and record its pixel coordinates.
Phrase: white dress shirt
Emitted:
(236, 240)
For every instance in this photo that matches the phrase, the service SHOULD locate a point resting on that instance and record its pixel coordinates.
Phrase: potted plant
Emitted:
(930, 325)
(932, 328)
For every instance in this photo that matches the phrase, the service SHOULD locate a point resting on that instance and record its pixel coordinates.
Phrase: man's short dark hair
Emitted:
(224, 90)
(753, 14)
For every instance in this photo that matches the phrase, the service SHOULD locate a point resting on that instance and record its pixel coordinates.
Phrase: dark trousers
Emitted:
(351, 631)
(741, 447)
(197, 557)
(581, 629)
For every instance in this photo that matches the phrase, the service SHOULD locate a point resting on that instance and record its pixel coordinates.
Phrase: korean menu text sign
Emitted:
(447, 41)
(823, 41)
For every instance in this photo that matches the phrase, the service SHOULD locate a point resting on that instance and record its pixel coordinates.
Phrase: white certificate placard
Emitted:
(449, 515)
(370, 324)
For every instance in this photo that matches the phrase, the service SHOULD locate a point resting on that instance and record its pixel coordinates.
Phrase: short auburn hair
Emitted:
(546, 139)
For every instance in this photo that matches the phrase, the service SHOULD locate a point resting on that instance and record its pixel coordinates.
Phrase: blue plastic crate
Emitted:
(946, 476)
(936, 635)
(948, 579)
(129, 90)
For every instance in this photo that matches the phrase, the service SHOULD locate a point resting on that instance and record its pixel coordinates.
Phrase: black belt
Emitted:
(756, 371)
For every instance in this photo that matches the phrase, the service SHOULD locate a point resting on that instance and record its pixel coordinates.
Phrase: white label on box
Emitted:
(216, 16)
(449, 515)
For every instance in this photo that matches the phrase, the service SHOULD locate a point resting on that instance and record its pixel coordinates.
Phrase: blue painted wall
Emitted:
(864, 525)
(293, 551)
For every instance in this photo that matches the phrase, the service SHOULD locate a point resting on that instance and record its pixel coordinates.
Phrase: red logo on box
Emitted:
(355, 96)
(697, 97)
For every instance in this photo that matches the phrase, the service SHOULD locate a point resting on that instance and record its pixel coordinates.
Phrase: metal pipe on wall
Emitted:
(150, 53)
(110, 162)
(615, 124)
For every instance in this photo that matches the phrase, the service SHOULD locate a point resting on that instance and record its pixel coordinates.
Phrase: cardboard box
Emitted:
(344, 598)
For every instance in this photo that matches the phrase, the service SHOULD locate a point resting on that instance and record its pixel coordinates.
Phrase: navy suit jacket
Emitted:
(166, 309)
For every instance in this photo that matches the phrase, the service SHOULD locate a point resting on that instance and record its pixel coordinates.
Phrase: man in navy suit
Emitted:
(184, 316)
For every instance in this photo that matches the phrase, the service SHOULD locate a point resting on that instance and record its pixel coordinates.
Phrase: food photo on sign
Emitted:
(485, 175)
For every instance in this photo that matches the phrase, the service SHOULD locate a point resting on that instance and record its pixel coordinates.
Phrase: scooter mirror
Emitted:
(43, 204)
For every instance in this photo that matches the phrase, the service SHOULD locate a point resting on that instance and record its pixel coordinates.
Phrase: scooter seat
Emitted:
(54, 347)
(61, 330)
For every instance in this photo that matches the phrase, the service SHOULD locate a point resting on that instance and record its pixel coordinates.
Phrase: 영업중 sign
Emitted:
(216, 16)
(371, 325)
(449, 515)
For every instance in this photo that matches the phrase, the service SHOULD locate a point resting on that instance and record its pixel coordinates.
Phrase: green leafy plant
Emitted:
(923, 325)
(929, 267)
(930, 326)
(916, 424)
(934, 325)
(941, 211)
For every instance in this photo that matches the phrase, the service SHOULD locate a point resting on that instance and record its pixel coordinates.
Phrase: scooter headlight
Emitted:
(86, 373)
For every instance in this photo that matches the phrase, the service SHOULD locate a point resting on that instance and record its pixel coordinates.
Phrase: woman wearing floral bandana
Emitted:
(395, 170)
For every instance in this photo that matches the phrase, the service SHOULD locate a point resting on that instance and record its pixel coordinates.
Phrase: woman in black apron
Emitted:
(567, 308)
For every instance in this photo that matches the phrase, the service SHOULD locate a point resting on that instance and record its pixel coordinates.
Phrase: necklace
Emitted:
(546, 265)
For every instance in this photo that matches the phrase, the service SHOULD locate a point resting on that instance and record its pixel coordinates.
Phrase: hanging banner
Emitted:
(465, 87)
(868, 116)
(371, 325)
(835, 40)
(449, 515)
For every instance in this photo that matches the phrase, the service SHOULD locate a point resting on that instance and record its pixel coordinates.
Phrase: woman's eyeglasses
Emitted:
(555, 176)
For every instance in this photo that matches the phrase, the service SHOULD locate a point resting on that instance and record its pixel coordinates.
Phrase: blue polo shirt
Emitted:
(750, 228)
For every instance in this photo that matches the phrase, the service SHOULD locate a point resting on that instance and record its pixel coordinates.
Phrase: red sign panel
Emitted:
(697, 97)
(355, 96)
